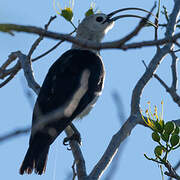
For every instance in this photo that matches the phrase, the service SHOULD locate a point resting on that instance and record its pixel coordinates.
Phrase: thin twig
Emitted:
(14, 133)
(50, 50)
(164, 25)
(177, 165)
(11, 76)
(166, 13)
(47, 52)
(10, 59)
(74, 170)
(5, 72)
(157, 25)
(176, 51)
(174, 71)
(177, 44)
(36, 43)
(171, 91)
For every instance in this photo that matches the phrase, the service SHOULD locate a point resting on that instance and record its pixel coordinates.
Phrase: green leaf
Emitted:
(177, 130)
(165, 137)
(158, 151)
(155, 137)
(174, 140)
(169, 127)
(67, 14)
(89, 12)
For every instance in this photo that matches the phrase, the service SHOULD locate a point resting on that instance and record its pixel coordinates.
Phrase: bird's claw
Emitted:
(74, 137)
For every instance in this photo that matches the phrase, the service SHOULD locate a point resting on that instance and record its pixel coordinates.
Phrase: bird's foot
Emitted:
(74, 137)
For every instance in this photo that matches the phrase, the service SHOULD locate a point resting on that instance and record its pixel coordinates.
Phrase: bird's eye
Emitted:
(99, 19)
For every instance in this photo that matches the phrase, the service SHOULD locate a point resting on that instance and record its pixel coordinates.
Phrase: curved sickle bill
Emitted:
(110, 18)
(127, 9)
(136, 16)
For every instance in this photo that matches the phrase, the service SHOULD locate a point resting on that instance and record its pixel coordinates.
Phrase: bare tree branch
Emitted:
(157, 25)
(78, 156)
(74, 171)
(121, 115)
(175, 168)
(174, 71)
(10, 77)
(28, 72)
(5, 72)
(171, 172)
(119, 44)
(113, 146)
(63, 37)
(177, 50)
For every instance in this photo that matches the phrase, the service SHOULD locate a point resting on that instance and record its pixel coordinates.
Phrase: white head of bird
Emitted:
(94, 27)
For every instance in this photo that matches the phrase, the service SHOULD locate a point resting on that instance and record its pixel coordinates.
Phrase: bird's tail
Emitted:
(35, 159)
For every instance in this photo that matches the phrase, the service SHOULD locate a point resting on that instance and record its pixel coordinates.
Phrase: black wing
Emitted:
(63, 80)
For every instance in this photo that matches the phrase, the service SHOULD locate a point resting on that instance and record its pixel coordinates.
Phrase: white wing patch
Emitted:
(78, 94)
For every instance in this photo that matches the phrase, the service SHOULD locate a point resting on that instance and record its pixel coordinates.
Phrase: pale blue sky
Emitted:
(123, 69)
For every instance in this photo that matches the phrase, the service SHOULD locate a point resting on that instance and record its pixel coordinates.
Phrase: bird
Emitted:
(73, 83)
